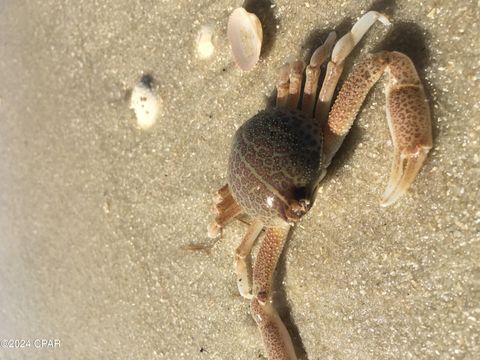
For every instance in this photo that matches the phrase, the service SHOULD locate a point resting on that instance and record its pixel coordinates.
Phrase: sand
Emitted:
(101, 222)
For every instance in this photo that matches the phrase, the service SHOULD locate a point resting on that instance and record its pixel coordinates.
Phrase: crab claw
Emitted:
(410, 126)
(404, 170)
(408, 116)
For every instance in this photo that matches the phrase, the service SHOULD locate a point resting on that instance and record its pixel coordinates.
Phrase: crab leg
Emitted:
(313, 73)
(283, 85)
(221, 194)
(296, 77)
(408, 116)
(243, 277)
(342, 49)
(275, 336)
(225, 208)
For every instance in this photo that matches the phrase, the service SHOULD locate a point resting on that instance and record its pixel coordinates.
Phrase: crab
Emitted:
(280, 155)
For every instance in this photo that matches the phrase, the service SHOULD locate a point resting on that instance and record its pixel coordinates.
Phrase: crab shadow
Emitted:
(265, 13)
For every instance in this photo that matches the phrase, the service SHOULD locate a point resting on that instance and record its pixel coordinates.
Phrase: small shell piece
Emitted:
(145, 103)
(205, 47)
(245, 34)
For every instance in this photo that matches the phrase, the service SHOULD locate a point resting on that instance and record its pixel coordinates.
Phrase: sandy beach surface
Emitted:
(103, 241)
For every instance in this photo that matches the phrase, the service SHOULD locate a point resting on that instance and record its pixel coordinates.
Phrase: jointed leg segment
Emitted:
(289, 85)
(225, 208)
(296, 77)
(312, 73)
(243, 274)
(275, 336)
(342, 49)
(283, 86)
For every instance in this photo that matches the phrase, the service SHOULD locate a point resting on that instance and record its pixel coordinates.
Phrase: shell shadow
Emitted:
(265, 13)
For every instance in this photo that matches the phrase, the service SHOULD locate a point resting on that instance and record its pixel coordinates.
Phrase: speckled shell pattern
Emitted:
(275, 158)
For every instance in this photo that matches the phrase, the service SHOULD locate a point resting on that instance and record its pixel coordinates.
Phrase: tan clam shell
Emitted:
(245, 34)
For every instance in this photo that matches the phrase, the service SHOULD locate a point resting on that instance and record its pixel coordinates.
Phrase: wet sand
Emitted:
(100, 221)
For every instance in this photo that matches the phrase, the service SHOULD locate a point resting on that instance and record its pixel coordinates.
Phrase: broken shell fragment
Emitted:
(245, 34)
(205, 47)
(145, 103)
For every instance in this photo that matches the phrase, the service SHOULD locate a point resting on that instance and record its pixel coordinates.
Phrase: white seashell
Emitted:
(205, 47)
(245, 34)
(145, 103)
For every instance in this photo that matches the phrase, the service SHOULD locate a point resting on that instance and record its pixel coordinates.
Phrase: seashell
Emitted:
(205, 47)
(145, 103)
(245, 34)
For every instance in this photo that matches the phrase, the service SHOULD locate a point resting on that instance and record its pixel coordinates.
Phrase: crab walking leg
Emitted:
(408, 116)
(342, 49)
(283, 85)
(348, 102)
(276, 339)
(313, 73)
(221, 194)
(296, 77)
(243, 277)
(225, 208)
